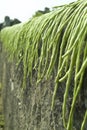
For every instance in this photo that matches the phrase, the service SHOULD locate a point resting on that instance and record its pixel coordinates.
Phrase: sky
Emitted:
(24, 9)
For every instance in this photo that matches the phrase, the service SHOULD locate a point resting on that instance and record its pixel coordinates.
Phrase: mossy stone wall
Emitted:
(31, 109)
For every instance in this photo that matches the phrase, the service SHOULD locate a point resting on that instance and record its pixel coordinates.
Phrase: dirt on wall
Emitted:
(31, 109)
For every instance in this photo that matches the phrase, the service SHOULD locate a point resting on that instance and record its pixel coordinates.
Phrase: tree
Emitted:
(8, 22)
(40, 12)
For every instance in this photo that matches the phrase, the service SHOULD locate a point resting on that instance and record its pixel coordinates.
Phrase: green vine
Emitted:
(56, 37)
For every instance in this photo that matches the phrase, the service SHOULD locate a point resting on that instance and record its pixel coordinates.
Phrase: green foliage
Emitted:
(2, 120)
(40, 12)
(58, 37)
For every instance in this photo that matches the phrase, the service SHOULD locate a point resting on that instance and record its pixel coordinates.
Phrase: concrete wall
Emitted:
(31, 109)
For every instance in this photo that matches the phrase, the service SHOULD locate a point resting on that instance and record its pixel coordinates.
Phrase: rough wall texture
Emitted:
(31, 109)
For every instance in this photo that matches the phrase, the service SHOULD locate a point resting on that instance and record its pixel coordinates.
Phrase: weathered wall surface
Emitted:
(31, 109)
(1, 106)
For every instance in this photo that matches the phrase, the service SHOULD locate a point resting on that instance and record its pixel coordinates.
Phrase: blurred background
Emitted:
(24, 9)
